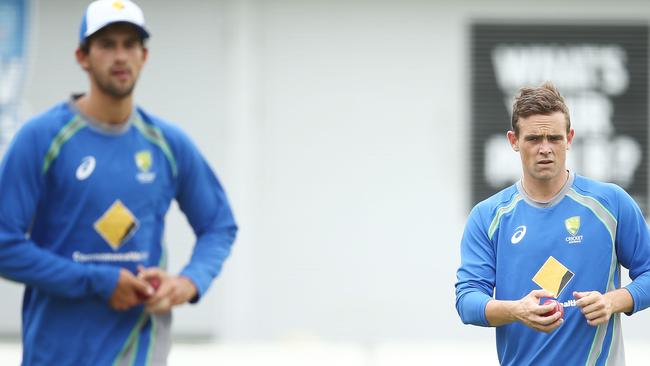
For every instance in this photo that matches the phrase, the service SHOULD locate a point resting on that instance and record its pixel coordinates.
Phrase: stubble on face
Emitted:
(107, 86)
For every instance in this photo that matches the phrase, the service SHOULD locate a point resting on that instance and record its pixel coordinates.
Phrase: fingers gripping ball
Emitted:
(155, 283)
(558, 307)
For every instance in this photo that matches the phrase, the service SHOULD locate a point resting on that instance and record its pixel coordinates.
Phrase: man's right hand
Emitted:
(126, 293)
(527, 310)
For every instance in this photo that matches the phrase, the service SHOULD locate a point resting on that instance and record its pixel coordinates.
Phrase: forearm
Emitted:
(500, 312)
(639, 289)
(210, 251)
(621, 300)
(25, 262)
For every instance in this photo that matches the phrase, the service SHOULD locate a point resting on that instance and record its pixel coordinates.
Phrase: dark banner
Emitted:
(13, 64)
(602, 71)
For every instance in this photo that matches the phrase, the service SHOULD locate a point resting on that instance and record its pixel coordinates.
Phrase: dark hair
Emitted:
(544, 99)
(84, 46)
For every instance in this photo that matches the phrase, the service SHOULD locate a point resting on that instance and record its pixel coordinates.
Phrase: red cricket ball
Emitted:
(154, 282)
(558, 307)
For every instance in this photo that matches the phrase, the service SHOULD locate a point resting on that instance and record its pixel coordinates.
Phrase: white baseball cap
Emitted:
(102, 13)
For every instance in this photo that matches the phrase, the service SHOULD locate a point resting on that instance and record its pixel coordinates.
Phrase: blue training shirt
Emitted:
(576, 242)
(79, 202)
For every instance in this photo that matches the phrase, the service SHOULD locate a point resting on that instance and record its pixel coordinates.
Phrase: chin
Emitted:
(541, 174)
(545, 175)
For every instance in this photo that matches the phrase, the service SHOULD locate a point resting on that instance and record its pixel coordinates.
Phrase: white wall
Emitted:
(340, 130)
(354, 173)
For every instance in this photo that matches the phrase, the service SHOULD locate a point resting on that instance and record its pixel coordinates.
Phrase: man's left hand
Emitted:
(173, 290)
(596, 307)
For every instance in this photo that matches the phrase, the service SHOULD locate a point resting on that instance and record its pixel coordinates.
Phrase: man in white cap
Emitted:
(86, 186)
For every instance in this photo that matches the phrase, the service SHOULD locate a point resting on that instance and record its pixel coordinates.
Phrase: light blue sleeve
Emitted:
(476, 276)
(202, 199)
(22, 260)
(633, 249)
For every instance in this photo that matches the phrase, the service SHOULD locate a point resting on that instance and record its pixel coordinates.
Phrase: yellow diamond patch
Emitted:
(116, 225)
(553, 276)
(118, 5)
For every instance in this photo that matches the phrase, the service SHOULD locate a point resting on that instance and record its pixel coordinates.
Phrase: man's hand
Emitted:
(125, 295)
(596, 307)
(173, 290)
(527, 310)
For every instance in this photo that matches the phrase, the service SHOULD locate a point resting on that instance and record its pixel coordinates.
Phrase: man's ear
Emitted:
(82, 58)
(514, 142)
(569, 138)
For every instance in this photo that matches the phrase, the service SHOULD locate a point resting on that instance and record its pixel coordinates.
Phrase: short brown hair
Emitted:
(544, 99)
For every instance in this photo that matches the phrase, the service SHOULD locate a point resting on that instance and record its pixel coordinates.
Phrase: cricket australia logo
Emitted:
(572, 225)
(144, 160)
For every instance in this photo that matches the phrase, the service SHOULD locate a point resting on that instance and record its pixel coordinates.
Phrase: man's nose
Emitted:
(120, 53)
(545, 147)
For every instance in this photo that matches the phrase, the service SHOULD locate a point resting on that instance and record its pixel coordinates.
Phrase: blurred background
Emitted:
(352, 137)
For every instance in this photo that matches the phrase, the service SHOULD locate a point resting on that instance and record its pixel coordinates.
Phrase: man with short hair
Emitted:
(85, 189)
(554, 235)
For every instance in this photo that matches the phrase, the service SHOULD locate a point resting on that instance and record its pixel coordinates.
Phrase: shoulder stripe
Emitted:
(154, 135)
(75, 124)
(500, 212)
(598, 209)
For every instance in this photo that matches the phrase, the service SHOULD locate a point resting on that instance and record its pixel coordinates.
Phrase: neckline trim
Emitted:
(553, 201)
(100, 126)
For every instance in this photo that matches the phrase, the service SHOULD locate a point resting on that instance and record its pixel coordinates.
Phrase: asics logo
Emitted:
(86, 167)
(519, 234)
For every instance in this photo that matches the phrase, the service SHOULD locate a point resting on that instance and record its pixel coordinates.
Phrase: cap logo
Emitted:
(118, 5)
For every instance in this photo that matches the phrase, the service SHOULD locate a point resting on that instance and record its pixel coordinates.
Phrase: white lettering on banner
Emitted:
(502, 166)
(572, 68)
(588, 76)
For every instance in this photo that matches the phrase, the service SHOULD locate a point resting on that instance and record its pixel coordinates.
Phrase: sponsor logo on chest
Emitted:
(144, 161)
(117, 225)
(86, 167)
(519, 234)
(572, 225)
